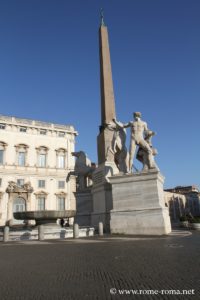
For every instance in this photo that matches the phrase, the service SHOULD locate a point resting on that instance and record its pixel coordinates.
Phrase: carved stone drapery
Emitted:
(14, 188)
(3, 145)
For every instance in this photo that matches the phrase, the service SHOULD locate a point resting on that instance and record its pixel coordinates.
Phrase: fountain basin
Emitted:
(44, 217)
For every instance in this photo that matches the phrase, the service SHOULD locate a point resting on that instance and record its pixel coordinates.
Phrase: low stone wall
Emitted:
(49, 233)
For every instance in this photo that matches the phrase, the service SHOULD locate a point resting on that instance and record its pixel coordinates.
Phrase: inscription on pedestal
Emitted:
(98, 177)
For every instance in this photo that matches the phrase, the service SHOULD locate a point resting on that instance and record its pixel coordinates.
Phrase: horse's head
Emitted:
(78, 154)
(150, 133)
(80, 157)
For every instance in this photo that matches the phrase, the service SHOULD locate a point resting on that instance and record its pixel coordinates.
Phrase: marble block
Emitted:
(102, 204)
(84, 207)
(138, 204)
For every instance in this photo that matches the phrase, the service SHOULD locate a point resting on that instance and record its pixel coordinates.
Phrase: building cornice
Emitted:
(29, 123)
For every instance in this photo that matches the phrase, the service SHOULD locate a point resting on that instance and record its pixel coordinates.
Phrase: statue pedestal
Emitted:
(102, 205)
(83, 207)
(102, 194)
(138, 204)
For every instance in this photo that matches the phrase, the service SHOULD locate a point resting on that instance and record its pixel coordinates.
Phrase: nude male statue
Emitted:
(138, 130)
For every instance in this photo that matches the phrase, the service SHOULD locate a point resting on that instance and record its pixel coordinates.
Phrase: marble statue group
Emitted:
(140, 147)
(140, 140)
(110, 193)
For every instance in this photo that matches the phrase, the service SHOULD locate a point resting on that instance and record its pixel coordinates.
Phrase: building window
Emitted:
(42, 156)
(41, 183)
(20, 182)
(61, 184)
(42, 160)
(21, 154)
(19, 204)
(0, 181)
(2, 126)
(1, 156)
(41, 203)
(2, 152)
(21, 159)
(43, 132)
(61, 134)
(61, 161)
(22, 129)
(60, 158)
(60, 203)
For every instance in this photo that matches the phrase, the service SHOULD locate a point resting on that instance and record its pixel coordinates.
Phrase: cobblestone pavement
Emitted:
(101, 268)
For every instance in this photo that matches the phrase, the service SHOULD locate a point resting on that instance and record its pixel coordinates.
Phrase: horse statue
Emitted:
(142, 154)
(83, 170)
(118, 151)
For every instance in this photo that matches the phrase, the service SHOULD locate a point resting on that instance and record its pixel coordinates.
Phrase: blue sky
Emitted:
(49, 70)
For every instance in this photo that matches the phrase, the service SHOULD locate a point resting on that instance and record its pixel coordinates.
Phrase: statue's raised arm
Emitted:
(121, 125)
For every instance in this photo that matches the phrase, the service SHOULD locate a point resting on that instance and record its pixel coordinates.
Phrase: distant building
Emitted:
(181, 199)
(35, 158)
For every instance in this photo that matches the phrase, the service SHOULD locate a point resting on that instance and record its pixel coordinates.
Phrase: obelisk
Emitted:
(107, 95)
(101, 189)
(124, 203)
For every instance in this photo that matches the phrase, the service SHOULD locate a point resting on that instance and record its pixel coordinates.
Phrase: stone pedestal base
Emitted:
(102, 204)
(83, 207)
(102, 194)
(103, 172)
(138, 204)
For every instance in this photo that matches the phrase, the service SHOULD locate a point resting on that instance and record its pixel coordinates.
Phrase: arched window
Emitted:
(19, 204)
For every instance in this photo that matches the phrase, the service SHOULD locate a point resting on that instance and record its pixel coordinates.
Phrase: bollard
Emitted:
(100, 228)
(75, 231)
(40, 232)
(6, 234)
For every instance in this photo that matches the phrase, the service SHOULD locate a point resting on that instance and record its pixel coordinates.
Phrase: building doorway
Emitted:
(18, 205)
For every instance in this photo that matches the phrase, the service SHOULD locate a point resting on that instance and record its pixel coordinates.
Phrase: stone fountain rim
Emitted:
(44, 214)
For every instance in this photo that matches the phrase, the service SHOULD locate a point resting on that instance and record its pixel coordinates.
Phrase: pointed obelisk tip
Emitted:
(102, 18)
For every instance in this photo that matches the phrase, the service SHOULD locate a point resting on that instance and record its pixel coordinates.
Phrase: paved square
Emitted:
(89, 268)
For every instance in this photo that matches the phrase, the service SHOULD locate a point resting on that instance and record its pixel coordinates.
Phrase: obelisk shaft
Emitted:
(105, 136)
(107, 93)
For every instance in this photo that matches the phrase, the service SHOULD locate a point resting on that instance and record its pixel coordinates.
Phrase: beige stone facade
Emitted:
(176, 204)
(181, 200)
(35, 158)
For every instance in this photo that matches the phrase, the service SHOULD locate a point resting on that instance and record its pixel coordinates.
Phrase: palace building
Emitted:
(182, 199)
(35, 158)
